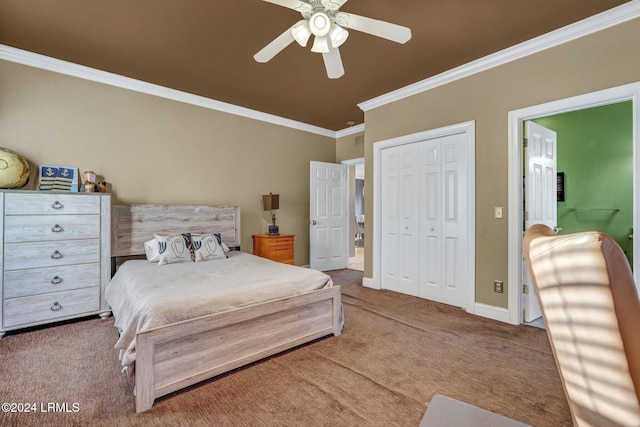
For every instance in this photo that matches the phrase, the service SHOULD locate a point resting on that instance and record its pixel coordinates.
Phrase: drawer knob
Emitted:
(57, 229)
(56, 255)
(56, 306)
(56, 280)
(57, 205)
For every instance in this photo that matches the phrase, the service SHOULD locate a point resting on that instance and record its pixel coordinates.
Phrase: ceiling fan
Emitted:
(327, 24)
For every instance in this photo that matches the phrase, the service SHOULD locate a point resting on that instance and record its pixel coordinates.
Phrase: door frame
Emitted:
(469, 129)
(351, 214)
(629, 92)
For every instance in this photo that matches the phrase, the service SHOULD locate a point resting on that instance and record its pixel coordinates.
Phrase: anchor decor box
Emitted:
(58, 178)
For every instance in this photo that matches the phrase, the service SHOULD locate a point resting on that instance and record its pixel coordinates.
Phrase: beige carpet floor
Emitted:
(395, 354)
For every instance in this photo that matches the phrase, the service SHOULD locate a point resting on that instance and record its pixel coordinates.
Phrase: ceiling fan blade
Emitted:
(387, 30)
(291, 4)
(275, 47)
(333, 63)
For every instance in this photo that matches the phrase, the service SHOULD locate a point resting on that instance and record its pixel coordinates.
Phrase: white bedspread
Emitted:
(143, 295)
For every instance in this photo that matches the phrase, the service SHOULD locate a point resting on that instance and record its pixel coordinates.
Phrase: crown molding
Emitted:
(350, 130)
(36, 60)
(593, 24)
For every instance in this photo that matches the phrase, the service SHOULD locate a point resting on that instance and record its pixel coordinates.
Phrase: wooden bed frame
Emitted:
(175, 356)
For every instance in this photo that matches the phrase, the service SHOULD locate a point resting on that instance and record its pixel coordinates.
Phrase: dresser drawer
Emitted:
(279, 242)
(33, 228)
(51, 204)
(48, 254)
(35, 281)
(49, 307)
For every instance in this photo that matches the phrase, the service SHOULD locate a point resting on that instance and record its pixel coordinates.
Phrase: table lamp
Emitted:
(271, 202)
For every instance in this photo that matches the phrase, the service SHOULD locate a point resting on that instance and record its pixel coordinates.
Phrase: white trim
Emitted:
(350, 130)
(368, 282)
(601, 21)
(469, 129)
(31, 59)
(353, 162)
(516, 120)
(492, 312)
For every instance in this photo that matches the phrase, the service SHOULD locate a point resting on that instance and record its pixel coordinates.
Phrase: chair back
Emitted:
(591, 312)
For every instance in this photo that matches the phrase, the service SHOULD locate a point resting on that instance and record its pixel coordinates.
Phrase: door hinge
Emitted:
(526, 216)
(525, 142)
(525, 289)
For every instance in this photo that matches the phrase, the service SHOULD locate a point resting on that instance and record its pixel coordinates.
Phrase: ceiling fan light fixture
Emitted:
(301, 32)
(338, 35)
(320, 45)
(320, 24)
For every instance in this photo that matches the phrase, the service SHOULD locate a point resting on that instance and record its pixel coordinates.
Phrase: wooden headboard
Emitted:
(132, 225)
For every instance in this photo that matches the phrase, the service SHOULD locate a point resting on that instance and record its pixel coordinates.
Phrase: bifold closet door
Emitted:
(443, 219)
(424, 216)
(400, 223)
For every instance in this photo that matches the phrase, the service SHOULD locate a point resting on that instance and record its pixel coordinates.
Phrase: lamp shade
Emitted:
(301, 32)
(337, 35)
(320, 45)
(271, 202)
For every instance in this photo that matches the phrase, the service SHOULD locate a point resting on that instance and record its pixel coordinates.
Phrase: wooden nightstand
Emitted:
(276, 248)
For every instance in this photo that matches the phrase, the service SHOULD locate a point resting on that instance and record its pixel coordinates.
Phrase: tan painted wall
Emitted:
(350, 147)
(599, 61)
(154, 150)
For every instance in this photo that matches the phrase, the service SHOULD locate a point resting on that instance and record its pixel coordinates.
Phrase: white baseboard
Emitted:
(492, 312)
(369, 283)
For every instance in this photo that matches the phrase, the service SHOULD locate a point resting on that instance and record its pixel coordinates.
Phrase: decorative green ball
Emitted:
(14, 169)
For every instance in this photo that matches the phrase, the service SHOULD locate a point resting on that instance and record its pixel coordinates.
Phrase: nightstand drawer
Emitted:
(280, 242)
(36, 281)
(48, 254)
(281, 254)
(50, 204)
(48, 307)
(34, 228)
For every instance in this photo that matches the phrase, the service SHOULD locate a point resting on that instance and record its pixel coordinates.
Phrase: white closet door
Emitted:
(424, 219)
(454, 219)
(431, 220)
(408, 232)
(443, 210)
(390, 222)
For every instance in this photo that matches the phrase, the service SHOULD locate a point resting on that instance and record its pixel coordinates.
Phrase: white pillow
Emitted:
(174, 248)
(151, 249)
(207, 247)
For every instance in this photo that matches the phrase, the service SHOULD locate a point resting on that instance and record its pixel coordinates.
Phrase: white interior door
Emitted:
(443, 217)
(424, 219)
(408, 214)
(389, 219)
(329, 208)
(401, 245)
(540, 197)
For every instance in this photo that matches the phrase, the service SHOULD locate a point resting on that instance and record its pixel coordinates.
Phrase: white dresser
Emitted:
(55, 253)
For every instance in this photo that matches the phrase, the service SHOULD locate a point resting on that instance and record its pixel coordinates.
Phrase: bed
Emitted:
(168, 353)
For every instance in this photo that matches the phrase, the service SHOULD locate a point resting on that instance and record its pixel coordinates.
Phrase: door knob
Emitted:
(314, 222)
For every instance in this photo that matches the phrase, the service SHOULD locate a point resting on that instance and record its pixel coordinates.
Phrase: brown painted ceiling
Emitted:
(206, 47)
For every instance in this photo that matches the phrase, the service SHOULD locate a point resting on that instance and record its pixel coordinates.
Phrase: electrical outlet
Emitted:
(498, 286)
(497, 212)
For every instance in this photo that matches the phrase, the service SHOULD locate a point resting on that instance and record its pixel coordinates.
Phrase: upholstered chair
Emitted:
(591, 312)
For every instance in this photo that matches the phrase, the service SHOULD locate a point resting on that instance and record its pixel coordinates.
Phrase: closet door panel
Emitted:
(408, 195)
(454, 230)
(430, 220)
(389, 249)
